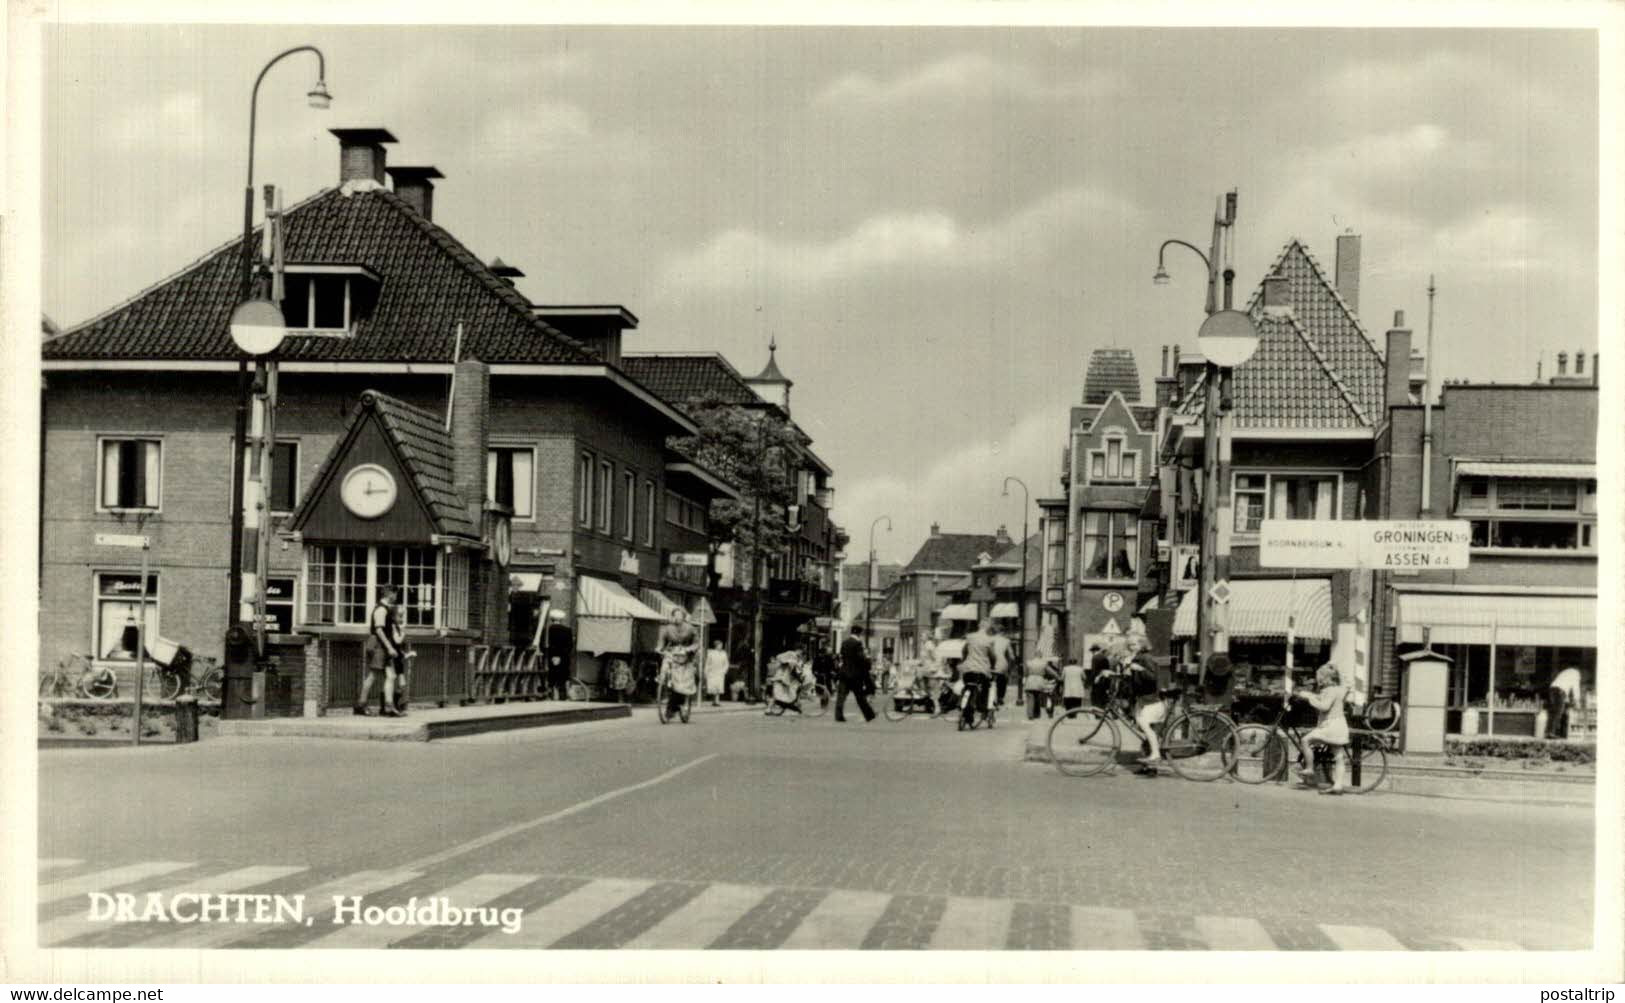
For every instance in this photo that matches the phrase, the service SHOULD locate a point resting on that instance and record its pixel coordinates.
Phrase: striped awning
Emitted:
(1456, 618)
(954, 648)
(959, 611)
(660, 602)
(1005, 611)
(1260, 607)
(597, 597)
(703, 614)
(1531, 471)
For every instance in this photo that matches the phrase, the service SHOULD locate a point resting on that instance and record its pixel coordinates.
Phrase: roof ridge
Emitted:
(1331, 287)
(1325, 366)
(1256, 298)
(459, 253)
(187, 269)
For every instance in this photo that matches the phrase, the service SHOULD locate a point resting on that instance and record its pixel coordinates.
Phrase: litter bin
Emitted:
(185, 718)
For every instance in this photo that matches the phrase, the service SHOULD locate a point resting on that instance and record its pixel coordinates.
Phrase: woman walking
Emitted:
(716, 672)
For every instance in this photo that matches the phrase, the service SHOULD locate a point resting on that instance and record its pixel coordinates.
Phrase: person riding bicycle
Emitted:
(679, 663)
(790, 674)
(1332, 730)
(979, 665)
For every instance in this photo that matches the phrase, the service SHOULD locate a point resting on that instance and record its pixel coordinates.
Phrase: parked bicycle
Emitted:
(1265, 750)
(1381, 713)
(78, 676)
(976, 706)
(1197, 743)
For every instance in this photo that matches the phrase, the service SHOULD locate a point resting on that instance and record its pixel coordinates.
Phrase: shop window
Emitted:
(118, 616)
(131, 472)
(510, 479)
(1111, 549)
(279, 604)
(342, 582)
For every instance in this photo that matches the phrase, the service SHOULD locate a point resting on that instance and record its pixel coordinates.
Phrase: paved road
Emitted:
(748, 832)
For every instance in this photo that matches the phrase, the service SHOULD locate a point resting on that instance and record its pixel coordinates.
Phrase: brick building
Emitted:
(926, 583)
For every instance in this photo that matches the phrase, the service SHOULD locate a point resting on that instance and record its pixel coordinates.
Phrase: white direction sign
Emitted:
(1380, 544)
(689, 559)
(122, 540)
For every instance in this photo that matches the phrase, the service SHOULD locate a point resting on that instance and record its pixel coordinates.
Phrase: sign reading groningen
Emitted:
(1382, 545)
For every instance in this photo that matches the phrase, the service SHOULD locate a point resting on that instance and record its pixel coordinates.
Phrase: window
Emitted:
(342, 582)
(1114, 463)
(284, 477)
(327, 299)
(118, 616)
(1054, 552)
(584, 491)
(1538, 496)
(1111, 546)
(1527, 514)
(1097, 466)
(1257, 497)
(606, 494)
(648, 513)
(629, 484)
(510, 473)
(131, 471)
(682, 512)
(279, 604)
(1473, 494)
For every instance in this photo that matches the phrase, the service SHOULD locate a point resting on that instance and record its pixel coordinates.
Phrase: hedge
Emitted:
(1514, 747)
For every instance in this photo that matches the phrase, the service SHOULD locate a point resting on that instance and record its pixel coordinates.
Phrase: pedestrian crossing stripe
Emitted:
(656, 915)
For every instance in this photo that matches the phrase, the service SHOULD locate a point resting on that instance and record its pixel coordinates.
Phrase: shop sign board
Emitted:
(1379, 544)
(123, 540)
(689, 560)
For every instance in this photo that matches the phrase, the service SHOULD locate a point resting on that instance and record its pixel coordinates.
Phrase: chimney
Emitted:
(1277, 295)
(1562, 364)
(1164, 360)
(504, 271)
(936, 530)
(1397, 363)
(361, 154)
(1002, 537)
(415, 186)
(1348, 269)
(1580, 363)
(470, 421)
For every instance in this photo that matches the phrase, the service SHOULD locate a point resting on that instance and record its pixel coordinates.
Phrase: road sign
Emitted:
(1227, 338)
(257, 326)
(1112, 601)
(1381, 544)
(1111, 626)
(1219, 592)
(123, 540)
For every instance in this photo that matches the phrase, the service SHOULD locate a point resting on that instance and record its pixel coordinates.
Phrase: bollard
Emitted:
(185, 718)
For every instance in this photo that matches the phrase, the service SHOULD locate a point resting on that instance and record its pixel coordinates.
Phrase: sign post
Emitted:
(145, 544)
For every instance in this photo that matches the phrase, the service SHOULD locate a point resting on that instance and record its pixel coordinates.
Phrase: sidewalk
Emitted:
(424, 725)
(1422, 776)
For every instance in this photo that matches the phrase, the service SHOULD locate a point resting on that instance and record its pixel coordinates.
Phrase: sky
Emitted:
(937, 225)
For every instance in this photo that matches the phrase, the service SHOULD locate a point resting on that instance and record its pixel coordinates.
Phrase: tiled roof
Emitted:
(954, 584)
(680, 379)
(1035, 563)
(1316, 368)
(1111, 370)
(425, 450)
(890, 606)
(856, 576)
(951, 551)
(430, 282)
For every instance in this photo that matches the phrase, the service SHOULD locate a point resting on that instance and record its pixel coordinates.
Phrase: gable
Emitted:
(324, 519)
(1117, 412)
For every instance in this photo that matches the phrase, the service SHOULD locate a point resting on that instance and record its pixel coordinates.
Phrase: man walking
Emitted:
(1563, 693)
(383, 653)
(854, 676)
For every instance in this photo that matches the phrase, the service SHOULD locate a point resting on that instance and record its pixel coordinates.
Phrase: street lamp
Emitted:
(318, 97)
(874, 583)
(1021, 596)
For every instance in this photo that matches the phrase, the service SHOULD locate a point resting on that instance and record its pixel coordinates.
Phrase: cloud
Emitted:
(891, 242)
(965, 76)
(560, 132)
(154, 130)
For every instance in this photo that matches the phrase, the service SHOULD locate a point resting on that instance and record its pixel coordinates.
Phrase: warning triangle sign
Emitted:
(1111, 626)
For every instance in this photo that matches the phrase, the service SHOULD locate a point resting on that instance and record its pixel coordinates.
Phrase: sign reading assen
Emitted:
(1383, 545)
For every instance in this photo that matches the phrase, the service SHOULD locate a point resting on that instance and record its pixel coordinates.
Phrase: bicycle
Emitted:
(976, 706)
(1381, 713)
(1198, 744)
(813, 699)
(78, 675)
(662, 710)
(1263, 752)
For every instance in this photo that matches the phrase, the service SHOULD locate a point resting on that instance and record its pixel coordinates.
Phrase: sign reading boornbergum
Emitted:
(1384, 545)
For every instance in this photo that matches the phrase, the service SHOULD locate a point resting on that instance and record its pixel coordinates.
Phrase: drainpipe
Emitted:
(1427, 412)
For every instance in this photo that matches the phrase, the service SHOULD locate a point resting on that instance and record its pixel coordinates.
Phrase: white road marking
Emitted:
(566, 914)
(1233, 933)
(1095, 928)
(57, 863)
(474, 892)
(1475, 944)
(973, 925)
(69, 927)
(318, 904)
(1361, 938)
(480, 842)
(103, 880)
(840, 921)
(702, 919)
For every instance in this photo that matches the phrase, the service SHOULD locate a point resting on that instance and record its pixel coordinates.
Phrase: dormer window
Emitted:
(327, 300)
(1114, 463)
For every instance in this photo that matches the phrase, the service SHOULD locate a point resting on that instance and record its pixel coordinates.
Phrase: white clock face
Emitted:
(368, 491)
(502, 542)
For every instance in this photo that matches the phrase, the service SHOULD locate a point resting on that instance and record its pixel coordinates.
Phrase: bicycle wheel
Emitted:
(897, 706)
(212, 684)
(814, 700)
(1200, 745)
(660, 704)
(1083, 742)
(1368, 761)
(53, 684)
(1382, 714)
(1260, 754)
(169, 684)
(99, 684)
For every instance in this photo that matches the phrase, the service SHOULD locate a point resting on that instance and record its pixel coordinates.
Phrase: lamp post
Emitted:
(319, 98)
(1021, 596)
(874, 583)
(1228, 339)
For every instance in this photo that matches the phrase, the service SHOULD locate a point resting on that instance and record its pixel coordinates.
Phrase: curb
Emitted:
(415, 730)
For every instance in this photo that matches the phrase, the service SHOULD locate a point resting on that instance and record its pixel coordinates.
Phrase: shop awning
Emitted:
(1532, 471)
(959, 611)
(1259, 608)
(1454, 618)
(597, 597)
(1005, 611)
(703, 613)
(950, 649)
(660, 603)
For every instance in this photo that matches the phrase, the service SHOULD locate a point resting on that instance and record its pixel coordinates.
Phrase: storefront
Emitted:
(611, 624)
(1505, 648)
(1263, 614)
